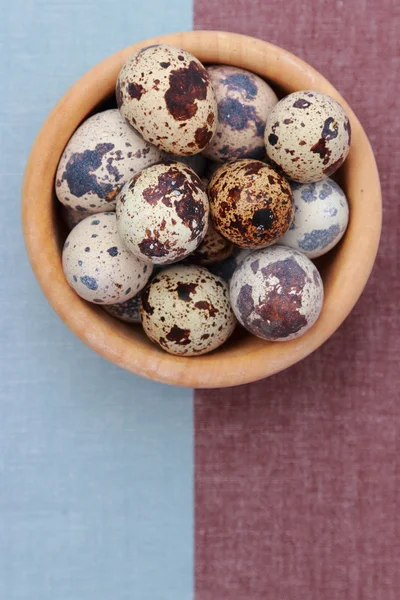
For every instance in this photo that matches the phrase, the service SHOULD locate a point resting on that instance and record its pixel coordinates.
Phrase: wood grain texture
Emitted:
(244, 359)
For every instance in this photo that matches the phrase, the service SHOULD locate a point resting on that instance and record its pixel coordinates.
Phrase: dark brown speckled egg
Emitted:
(277, 293)
(251, 204)
(244, 103)
(186, 310)
(166, 94)
(308, 136)
(162, 213)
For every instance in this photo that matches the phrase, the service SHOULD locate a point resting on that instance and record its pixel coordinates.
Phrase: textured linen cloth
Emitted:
(297, 476)
(96, 465)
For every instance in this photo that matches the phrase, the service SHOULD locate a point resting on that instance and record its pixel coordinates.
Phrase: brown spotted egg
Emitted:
(213, 248)
(186, 310)
(277, 293)
(166, 94)
(308, 135)
(162, 213)
(100, 157)
(244, 103)
(128, 311)
(251, 204)
(96, 264)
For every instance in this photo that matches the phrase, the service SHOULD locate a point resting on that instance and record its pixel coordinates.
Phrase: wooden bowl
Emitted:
(244, 358)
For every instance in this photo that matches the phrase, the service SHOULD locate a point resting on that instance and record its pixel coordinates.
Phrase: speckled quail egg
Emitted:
(226, 268)
(244, 103)
(308, 135)
(166, 94)
(213, 248)
(251, 204)
(97, 265)
(103, 153)
(197, 162)
(320, 219)
(162, 213)
(128, 311)
(186, 310)
(277, 293)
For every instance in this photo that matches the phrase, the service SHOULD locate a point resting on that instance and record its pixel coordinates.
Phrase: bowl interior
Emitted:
(243, 358)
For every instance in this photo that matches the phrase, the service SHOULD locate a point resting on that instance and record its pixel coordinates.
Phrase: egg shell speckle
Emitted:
(308, 135)
(244, 103)
(166, 94)
(97, 265)
(277, 293)
(103, 153)
(128, 311)
(162, 213)
(320, 219)
(212, 249)
(251, 205)
(186, 310)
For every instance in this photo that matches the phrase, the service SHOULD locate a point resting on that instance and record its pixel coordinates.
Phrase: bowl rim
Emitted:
(228, 366)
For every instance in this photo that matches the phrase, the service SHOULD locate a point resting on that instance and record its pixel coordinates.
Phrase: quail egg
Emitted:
(276, 293)
(251, 204)
(308, 135)
(244, 103)
(96, 264)
(320, 218)
(186, 310)
(100, 157)
(162, 213)
(166, 94)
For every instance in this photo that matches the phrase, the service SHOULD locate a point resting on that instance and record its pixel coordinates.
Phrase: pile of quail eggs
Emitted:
(201, 201)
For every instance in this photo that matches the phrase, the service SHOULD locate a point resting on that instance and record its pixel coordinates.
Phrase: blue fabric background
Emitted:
(96, 465)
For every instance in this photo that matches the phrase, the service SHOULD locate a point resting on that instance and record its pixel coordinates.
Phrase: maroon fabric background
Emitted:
(298, 476)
